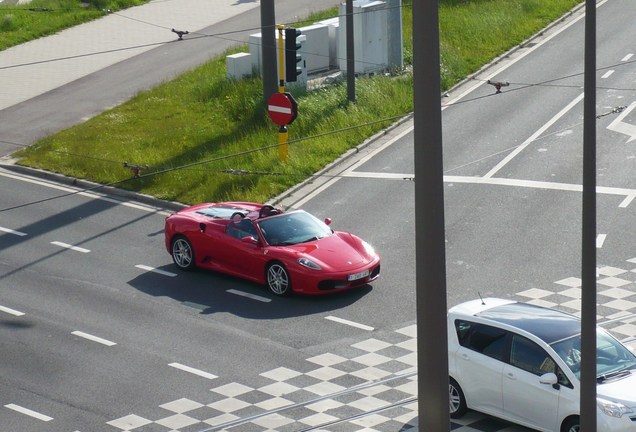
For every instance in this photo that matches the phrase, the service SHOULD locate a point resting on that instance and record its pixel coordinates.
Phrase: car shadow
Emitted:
(212, 292)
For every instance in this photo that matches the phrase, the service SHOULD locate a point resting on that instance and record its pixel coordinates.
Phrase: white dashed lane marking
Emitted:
(93, 338)
(155, 270)
(10, 231)
(71, 247)
(349, 323)
(250, 296)
(29, 412)
(11, 311)
(193, 370)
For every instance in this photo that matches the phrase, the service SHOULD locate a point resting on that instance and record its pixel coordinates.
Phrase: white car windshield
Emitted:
(612, 357)
(293, 228)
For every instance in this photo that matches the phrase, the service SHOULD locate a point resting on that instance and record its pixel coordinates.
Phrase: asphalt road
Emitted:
(110, 328)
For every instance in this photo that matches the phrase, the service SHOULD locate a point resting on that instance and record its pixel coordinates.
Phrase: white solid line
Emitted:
(607, 74)
(538, 185)
(93, 338)
(10, 231)
(71, 247)
(193, 370)
(534, 136)
(380, 175)
(349, 323)
(28, 412)
(155, 270)
(11, 311)
(84, 194)
(629, 194)
(627, 57)
(248, 295)
(600, 239)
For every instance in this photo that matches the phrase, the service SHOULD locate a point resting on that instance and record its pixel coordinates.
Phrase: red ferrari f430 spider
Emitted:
(287, 251)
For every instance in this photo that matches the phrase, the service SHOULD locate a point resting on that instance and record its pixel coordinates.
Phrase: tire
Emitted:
(456, 400)
(277, 278)
(572, 424)
(182, 253)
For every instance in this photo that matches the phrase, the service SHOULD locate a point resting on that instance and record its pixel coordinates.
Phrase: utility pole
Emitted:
(268, 48)
(588, 228)
(351, 60)
(430, 253)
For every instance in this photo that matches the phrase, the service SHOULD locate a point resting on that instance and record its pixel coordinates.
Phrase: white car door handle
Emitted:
(511, 376)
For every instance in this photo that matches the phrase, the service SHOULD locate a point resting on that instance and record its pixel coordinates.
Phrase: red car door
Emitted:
(241, 256)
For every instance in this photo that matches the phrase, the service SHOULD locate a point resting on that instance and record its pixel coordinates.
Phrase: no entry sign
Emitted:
(282, 108)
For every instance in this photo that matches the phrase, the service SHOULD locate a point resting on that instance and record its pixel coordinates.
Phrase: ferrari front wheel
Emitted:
(278, 280)
(182, 253)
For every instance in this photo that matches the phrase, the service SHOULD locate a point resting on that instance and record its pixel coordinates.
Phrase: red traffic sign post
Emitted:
(282, 108)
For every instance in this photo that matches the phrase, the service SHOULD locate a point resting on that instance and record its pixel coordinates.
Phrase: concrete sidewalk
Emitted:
(36, 67)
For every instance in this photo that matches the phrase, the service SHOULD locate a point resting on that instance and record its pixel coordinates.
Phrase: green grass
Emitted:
(191, 130)
(22, 23)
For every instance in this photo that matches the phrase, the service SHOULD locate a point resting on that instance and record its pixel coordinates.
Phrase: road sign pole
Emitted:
(282, 144)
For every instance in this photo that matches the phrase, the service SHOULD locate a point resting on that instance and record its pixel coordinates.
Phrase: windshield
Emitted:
(611, 355)
(293, 228)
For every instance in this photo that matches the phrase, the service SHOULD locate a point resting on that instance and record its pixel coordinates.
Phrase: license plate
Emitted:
(357, 276)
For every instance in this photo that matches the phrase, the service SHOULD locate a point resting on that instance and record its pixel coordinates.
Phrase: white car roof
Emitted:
(473, 307)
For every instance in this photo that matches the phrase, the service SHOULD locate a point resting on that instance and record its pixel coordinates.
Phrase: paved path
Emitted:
(44, 64)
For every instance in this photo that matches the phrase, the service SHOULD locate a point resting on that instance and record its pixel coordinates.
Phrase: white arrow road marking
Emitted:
(71, 247)
(28, 412)
(193, 370)
(618, 125)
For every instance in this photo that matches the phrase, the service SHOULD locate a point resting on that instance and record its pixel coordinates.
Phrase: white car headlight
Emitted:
(309, 264)
(612, 409)
(368, 248)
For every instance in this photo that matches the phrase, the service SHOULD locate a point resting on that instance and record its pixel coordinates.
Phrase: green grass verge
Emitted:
(190, 131)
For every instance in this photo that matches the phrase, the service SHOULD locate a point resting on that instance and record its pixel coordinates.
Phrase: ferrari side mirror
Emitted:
(249, 239)
(328, 221)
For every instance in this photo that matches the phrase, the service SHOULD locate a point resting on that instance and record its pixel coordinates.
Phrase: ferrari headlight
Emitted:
(368, 248)
(305, 262)
(612, 409)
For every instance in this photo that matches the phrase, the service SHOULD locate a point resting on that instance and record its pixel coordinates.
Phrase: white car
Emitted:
(521, 363)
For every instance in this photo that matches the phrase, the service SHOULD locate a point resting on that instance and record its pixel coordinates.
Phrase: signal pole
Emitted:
(283, 147)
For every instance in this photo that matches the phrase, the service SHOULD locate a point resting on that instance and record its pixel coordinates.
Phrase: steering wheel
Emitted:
(267, 210)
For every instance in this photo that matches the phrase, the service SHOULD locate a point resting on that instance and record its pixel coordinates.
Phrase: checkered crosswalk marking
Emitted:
(370, 385)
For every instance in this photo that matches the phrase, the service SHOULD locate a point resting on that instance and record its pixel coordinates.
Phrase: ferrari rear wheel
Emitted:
(278, 279)
(182, 253)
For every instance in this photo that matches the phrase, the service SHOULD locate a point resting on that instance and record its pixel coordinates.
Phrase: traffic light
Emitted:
(292, 58)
